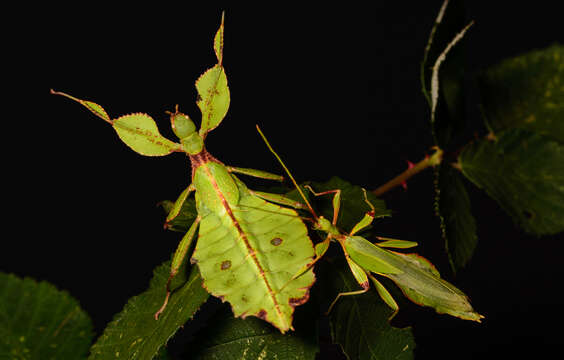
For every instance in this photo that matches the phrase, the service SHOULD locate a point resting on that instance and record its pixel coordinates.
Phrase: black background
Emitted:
(336, 89)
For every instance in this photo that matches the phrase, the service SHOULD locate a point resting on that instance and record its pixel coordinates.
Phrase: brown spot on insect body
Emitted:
(262, 314)
(225, 265)
(276, 241)
(299, 301)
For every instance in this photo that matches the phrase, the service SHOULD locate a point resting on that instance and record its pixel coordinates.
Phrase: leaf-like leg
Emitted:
(279, 199)
(385, 295)
(336, 201)
(320, 250)
(178, 204)
(367, 219)
(394, 243)
(255, 173)
(177, 259)
(361, 277)
(92, 106)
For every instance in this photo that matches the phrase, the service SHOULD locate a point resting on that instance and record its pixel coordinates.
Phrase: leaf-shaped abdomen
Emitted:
(247, 255)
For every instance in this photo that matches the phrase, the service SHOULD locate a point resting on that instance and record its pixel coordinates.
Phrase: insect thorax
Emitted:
(215, 187)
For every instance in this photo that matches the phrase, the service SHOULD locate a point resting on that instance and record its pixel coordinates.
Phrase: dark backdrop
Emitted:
(337, 91)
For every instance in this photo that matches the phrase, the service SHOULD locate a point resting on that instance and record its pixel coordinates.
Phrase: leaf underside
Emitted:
(526, 92)
(524, 172)
(37, 321)
(251, 270)
(449, 117)
(134, 333)
(458, 226)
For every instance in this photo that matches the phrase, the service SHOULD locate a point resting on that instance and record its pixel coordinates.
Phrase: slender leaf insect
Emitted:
(247, 249)
(414, 275)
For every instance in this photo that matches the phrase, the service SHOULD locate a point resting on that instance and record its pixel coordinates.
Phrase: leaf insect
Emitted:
(416, 276)
(247, 249)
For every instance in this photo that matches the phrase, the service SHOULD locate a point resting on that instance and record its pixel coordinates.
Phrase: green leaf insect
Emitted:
(247, 249)
(418, 279)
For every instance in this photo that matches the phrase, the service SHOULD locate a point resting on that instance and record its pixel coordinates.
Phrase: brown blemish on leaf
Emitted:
(276, 241)
(225, 265)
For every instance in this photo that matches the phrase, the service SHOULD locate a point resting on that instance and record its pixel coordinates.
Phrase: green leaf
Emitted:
(251, 338)
(140, 133)
(37, 321)
(134, 333)
(524, 173)
(186, 216)
(352, 202)
(359, 323)
(526, 92)
(452, 206)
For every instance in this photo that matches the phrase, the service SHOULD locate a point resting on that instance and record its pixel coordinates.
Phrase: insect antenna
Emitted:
(287, 172)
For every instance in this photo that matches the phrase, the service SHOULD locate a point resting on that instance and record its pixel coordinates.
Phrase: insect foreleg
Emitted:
(279, 199)
(177, 259)
(178, 204)
(336, 201)
(320, 250)
(255, 173)
(367, 219)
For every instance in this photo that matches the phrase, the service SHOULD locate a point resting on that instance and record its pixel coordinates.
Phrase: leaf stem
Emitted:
(428, 161)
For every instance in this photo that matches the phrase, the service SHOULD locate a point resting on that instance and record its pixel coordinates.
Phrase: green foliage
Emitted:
(134, 333)
(527, 92)
(37, 321)
(251, 338)
(458, 226)
(449, 116)
(360, 323)
(452, 204)
(186, 216)
(524, 173)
